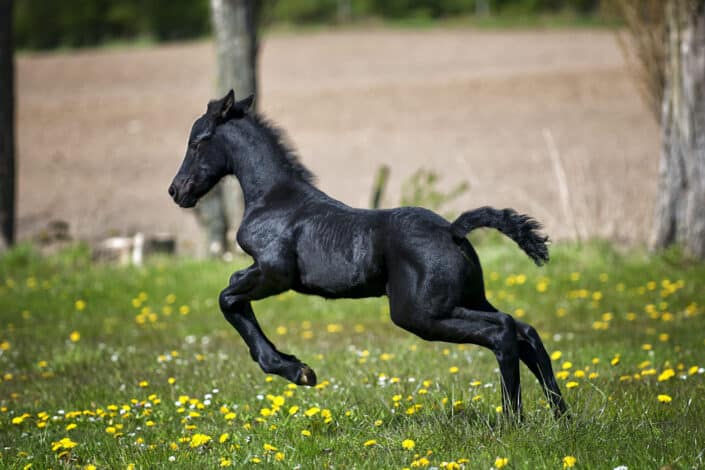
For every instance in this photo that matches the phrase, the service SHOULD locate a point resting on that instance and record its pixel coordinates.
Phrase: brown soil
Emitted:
(101, 133)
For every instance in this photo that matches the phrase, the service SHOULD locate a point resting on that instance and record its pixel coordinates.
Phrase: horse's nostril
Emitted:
(172, 190)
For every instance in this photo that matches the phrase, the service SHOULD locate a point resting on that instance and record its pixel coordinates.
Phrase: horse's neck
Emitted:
(259, 165)
(260, 177)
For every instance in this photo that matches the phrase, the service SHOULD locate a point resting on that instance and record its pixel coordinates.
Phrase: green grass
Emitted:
(139, 327)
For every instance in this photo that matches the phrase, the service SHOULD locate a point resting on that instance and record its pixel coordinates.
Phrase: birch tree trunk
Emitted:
(235, 30)
(680, 207)
(7, 128)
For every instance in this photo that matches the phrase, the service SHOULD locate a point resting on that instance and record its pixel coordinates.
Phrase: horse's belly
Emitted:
(335, 276)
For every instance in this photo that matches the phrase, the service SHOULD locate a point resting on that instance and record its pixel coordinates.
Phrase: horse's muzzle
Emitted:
(182, 198)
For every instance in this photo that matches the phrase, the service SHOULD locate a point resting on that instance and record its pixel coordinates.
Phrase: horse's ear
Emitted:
(227, 106)
(246, 105)
(231, 109)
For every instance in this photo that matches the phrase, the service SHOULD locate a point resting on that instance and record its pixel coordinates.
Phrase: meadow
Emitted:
(126, 367)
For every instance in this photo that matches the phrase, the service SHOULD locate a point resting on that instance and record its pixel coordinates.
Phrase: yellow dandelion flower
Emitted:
(569, 461)
(453, 370)
(71, 426)
(369, 443)
(75, 336)
(224, 437)
(225, 462)
(571, 384)
(501, 462)
(378, 423)
(198, 440)
(555, 355)
(230, 416)
(143, 384)
(408, 444)
(279, 456)
(313, 411)
(63, 444)
(306, 433)
(663, 398)
(80, 305)
(269, 448)
(666, 375)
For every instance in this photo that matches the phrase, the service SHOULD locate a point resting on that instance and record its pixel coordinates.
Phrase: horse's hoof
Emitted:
(306, 376)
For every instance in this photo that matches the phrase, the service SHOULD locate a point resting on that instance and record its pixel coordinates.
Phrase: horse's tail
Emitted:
(519, 227)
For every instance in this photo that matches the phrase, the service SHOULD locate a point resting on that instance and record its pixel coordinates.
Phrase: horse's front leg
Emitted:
(239, 314)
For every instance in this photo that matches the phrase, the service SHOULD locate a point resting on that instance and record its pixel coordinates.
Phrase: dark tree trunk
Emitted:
(7, 128)
(680, 207)
(235, 30)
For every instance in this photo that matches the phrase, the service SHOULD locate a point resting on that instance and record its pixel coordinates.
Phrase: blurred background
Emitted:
(529, 104)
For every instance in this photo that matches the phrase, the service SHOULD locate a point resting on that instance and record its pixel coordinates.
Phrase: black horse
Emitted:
(302, 239)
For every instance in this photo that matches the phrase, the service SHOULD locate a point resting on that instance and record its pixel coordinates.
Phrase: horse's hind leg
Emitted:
(240, 315)
(493, 330)
(533, 353)
(497, 331)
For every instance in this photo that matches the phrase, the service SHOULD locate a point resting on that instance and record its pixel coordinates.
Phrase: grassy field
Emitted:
(106, 367)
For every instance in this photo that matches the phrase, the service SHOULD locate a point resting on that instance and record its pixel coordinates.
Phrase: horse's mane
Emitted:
(280, 139)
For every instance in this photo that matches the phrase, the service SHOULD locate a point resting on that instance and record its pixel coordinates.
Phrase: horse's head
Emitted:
(206, 162)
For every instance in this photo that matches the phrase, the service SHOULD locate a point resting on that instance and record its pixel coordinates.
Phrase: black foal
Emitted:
(302, 239)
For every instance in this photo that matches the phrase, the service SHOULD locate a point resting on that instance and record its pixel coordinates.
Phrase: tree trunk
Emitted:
(235, 30)
(680, 207)
(7, 128)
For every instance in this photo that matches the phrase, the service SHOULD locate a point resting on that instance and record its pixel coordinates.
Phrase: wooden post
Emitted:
(7, 127)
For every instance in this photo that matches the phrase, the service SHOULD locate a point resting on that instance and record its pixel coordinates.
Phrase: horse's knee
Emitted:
(506, 343)
(226, 301)
(529, 334)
